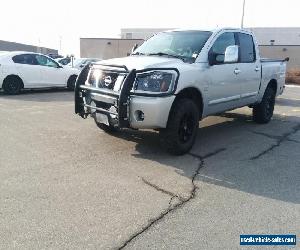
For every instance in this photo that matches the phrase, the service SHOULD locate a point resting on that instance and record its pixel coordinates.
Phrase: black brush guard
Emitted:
(122, 98)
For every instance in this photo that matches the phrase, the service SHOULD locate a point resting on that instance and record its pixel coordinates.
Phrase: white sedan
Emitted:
(20, 70)
(79, 63)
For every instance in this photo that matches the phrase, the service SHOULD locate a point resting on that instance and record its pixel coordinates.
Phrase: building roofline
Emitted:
(273, 27)
(36, 46)
(277, 45)
(107, 38)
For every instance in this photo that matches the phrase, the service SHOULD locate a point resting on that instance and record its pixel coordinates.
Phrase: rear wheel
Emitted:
(71, 82)
(12, 85)
(180, 134)
(263, 112)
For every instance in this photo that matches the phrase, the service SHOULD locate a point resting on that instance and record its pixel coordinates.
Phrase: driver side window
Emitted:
(220, 45)
(45, 61)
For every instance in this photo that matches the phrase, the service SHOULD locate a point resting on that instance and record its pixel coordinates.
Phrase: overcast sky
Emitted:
(44, 22)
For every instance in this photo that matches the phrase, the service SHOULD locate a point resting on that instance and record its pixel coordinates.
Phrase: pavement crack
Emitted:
(279, 140)
(161, 189)
(274, 137)
(179, 204)
(292, 140)
(217, 151)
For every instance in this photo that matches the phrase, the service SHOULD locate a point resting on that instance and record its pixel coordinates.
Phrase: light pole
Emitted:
(60, 38)
(242, 22)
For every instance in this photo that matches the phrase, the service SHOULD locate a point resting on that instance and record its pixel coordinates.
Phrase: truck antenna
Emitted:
(243, 14)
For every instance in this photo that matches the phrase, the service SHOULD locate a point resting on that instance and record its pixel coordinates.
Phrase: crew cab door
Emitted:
(53, 74)
(249, 68)
(224, 88)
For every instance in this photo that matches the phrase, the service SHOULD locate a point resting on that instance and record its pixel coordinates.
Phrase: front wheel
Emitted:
(71, 82)
(263, 112)
(180, 134)
(106, 128)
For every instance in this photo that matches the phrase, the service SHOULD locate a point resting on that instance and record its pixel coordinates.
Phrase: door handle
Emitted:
(237, 71)
(257, 69)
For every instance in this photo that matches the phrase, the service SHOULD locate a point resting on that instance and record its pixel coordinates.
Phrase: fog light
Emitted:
(139, 115)
(93, 104)
(88, 100)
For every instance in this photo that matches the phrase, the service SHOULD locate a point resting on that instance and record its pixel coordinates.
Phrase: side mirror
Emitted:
(231, 54)
(215, 58)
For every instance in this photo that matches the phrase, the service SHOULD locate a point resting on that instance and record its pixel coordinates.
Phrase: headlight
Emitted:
(94, 76)
(104, 79)
(155, 81)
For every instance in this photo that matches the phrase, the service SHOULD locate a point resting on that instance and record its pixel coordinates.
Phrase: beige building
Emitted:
(140, 33)
(277, 36)
(106, 48)
(280, 51)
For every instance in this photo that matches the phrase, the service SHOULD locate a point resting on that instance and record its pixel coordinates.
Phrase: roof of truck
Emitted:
(214, 30)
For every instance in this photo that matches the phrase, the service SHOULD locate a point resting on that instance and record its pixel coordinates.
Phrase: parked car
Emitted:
(177, 78)
(64, 60)
(79, 63)
(20, 70)
(54, 56)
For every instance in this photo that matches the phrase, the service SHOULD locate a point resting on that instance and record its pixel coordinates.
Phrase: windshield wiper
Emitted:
(165, 54)
(138, 54)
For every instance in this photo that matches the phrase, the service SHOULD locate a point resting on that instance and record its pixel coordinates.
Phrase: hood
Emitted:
(143, 62)
(71, 69)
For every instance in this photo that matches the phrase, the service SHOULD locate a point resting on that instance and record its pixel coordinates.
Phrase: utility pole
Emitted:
(242, 22)
(60, 38)
(39, 50)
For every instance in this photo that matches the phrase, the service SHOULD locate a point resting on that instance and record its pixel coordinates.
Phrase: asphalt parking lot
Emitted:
(65, 184)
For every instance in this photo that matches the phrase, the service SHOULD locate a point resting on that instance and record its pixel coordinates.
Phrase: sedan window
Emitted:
(45, 61)
(25, 59)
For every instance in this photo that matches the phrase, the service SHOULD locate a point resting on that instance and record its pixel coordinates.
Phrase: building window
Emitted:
(128, 35)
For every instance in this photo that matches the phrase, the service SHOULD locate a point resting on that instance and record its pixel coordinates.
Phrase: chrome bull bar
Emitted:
(119, 99)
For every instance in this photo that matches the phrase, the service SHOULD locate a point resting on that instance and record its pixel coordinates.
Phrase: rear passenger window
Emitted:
(247, 51)
(25, 59)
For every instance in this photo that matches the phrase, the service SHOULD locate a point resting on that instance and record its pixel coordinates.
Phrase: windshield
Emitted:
(77, 62)
(182, 44)
(83, 61)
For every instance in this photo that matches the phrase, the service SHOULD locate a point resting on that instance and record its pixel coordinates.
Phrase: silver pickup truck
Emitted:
(176, 78)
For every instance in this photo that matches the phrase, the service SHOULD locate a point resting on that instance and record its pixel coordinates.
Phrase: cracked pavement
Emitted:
(67, 185)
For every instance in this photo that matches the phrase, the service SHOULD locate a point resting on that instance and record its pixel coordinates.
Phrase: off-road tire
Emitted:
(180, 134)
(106, 128)
(71, 82)
(263, 112)
(12, 85)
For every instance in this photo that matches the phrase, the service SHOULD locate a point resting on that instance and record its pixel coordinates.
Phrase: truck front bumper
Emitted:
(153, 110)
(121, 109)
